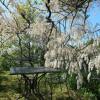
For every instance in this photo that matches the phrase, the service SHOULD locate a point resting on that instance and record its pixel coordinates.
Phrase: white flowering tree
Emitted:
(74, 48)
(61, 30)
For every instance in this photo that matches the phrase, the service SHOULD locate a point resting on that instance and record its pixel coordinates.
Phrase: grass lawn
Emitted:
(9, 89)
(8, 86)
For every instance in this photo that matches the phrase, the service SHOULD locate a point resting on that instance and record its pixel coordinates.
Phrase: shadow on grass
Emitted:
(3, 87)
(3, 78)
(7, 85)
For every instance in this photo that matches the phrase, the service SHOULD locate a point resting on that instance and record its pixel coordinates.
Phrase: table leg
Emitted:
(32, 85)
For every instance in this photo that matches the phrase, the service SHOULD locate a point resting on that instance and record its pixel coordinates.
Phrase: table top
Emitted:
(33, 70)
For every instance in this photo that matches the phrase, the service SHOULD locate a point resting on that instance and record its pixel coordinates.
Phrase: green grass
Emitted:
(8, 86)
(9, 89)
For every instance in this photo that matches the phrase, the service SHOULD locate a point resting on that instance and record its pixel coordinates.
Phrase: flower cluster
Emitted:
(73, 59)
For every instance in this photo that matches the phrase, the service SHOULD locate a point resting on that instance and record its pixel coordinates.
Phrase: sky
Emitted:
(94, 14)
(94, 17)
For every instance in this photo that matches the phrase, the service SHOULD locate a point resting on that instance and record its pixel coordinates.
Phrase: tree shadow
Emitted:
(3, 79)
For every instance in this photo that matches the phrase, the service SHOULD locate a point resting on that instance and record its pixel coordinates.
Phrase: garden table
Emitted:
(31, 77)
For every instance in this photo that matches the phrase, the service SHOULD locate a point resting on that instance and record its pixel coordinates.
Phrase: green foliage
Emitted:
(89, 96)
(27, 12)
(4, 62)
(90, 42)
(71, 81)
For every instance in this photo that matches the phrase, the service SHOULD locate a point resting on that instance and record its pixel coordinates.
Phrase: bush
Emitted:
(71, 82)
(89, 96)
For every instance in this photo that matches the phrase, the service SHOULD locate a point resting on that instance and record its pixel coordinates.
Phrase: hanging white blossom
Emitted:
(79, 81)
